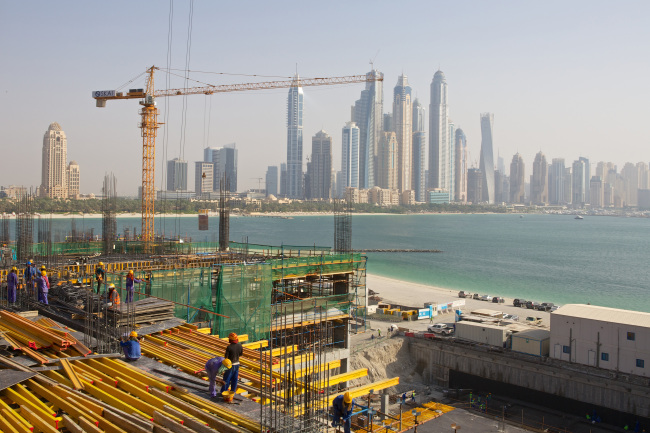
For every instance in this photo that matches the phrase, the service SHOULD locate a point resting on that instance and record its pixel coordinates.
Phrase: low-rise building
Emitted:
(602, 337)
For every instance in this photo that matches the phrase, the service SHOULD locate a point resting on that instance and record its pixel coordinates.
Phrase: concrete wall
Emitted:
(587, 385)
(584, 341)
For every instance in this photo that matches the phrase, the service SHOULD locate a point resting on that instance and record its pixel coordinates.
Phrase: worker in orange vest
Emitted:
(113, 297)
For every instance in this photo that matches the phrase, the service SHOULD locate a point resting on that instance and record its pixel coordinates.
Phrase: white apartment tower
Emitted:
(350, 155)
(439, 143)
(54, 182)
(294, 140)
(403, 127)
(74, 177)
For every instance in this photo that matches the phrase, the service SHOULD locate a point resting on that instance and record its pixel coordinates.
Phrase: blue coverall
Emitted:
(12, 284)
(129, 288)
(131, 349)
(43, 288)
(213, 367)
(341, 410)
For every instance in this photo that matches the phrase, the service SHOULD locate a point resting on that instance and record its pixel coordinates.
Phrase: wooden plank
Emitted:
(76, 383)
(39, 423)
(95, 356)
(16, 366)
(169, 423)
(110, 427)
(11, 377)
(189, 422)
(88, 425)
(212, 420)
(71, 425)
(124, 422)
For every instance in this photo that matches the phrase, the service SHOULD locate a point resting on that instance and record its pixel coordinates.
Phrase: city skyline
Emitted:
(564, 65)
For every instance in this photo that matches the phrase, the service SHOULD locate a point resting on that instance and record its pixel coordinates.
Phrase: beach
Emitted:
(400, 292)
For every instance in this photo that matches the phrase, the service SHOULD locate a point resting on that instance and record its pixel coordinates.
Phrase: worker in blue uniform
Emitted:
(131, 347)
(342, 411)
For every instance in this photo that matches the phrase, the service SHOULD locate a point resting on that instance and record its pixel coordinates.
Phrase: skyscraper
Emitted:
(321, 166)
(451, 136)
(350, 155)
(367, 112)
(587, 176)
(556, 182)
(224, 162)
(539, 181)
(176, 175)
(294, 140)
(579, 183)
(460, 169)
(272, 180)
(487, 157)
(418, 180)
(597, 191)
(54, 182)
(474, 186)
(439, 152)
(74, 178)
(517, 180)
(283, 179)
(203, 172)
(387, 167)
(403, 127)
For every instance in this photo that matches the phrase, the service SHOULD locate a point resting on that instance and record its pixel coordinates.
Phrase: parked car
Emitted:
(532, 305)
(498, 300)
(476, 296)
(545, 306)
(511, 317)
(519, 302)
(464, 294)
(440, 328)
(533, 320)
(487, 298)
(554, 307)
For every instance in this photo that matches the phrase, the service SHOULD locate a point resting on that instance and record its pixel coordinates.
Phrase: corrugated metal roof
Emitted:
(534, 334)
(604, 314)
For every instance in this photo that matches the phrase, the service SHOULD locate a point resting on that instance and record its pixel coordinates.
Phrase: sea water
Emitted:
(545, 258)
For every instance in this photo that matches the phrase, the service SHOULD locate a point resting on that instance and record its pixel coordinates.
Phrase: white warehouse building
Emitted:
(602, 337)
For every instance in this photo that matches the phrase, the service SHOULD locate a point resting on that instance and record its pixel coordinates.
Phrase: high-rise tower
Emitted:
(54, 183)
(487, 157)
(176, 175)
(321, 166)
(418, 180)
(439, 152)
(294, 140)
(387, 166)
(460, 163)
(403, 127)
(517, 180)
(74, 178)
(350, 155)
(367, 114)
(556, 182)
(539, 181)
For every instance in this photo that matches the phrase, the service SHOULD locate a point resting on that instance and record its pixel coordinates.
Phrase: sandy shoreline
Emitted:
(415, 295)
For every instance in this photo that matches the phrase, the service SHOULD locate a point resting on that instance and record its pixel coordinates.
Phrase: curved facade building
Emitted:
(294, 140)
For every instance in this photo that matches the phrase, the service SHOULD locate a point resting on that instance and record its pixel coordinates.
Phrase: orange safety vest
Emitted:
(114, 297)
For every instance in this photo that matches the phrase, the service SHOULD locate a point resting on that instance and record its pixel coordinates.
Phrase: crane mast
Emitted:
(149, 123)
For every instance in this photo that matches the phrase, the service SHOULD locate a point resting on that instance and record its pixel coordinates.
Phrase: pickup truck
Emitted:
(440, 328)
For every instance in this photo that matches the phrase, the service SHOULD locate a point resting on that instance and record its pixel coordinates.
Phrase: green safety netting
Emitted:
(244, 295)
(297, 267)
(191, 286)
(274, 250)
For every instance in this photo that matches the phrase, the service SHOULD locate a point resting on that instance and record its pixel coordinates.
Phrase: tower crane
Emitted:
(149, 121)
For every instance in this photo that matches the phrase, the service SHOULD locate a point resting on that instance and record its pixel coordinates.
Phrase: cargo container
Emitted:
(532, 342)
(484, 333)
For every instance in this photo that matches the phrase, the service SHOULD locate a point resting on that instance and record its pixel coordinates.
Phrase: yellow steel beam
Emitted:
(6, 426)
(76, 383)
(322, 367)
(112, 400)
(43, 424)
(11, 416)
(125, 370)
(222, 412)
(343, 377)
(127, 399)
(29, 399)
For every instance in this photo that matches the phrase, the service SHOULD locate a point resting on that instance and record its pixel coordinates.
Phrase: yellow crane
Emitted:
(149, 121)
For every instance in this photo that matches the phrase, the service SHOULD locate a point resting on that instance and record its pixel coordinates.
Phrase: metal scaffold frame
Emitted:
(224, 213)
(109, 221)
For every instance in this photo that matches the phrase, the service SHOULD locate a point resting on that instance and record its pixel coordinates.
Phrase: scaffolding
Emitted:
(109, 221)
(224, 213)
(342, 226)
(24, 227)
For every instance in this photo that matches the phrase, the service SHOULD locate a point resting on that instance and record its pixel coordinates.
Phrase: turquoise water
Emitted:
(547, 258)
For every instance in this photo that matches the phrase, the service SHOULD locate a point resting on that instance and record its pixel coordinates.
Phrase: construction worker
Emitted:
(215, 367)
(12, 284)
(131, 347)
(113, 297)
(233, 352)
(342, 408)
(413, 397)
(29, 276)
(43, 284)
(130, 279)
(100, 275)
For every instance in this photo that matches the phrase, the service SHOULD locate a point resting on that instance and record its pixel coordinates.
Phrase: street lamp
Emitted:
(455, 427)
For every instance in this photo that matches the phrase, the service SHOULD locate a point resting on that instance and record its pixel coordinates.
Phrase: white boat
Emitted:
(578, 217)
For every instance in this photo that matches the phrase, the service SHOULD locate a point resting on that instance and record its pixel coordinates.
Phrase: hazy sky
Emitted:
(568, 78)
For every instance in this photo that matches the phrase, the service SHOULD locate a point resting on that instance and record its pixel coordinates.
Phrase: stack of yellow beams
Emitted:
(427, 412)
(31, 334)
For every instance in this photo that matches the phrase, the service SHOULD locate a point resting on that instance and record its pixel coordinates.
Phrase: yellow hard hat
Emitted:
(131, 272)
(43, 273)
(112, 286)
(43, 267)
(133, 334)
(227, 363)
(15, 269)
(100, 264)
(347, 398)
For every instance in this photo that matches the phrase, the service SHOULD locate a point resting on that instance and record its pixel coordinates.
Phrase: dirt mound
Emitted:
(387, 359)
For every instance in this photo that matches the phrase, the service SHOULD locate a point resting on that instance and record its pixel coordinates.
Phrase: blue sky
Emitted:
(567, 78)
